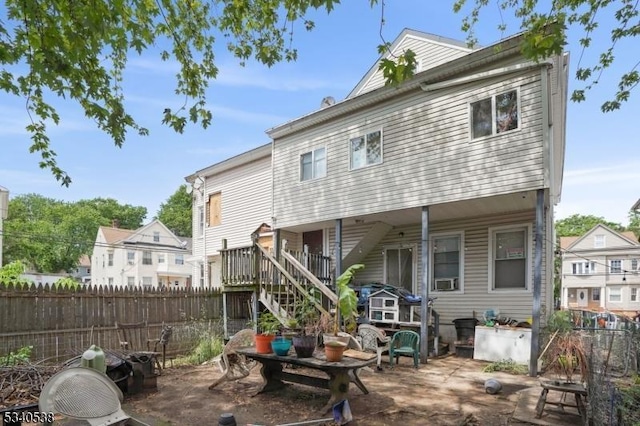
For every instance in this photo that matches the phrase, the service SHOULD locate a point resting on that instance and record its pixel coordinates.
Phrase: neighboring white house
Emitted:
(601, 271)
(83, 271)
(151, 256)
(231, 199)
(4, 212)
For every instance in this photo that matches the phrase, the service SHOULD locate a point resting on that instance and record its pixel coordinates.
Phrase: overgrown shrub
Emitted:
(22, 355)
(507, 366)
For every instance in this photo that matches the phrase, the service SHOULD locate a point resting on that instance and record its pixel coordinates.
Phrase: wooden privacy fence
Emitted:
(63, 322)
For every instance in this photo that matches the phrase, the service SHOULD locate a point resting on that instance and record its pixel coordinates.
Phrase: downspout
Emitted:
(537, 285)
(482, 75)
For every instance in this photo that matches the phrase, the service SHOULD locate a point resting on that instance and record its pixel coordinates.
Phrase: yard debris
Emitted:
(21, 384)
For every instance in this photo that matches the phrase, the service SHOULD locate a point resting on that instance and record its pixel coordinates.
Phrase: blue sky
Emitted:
(602, 165)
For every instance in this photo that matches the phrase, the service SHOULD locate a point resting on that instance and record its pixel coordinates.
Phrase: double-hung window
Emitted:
(131, 257)
(156, 236)
(615, 266)
(313, 164)
(365, 150)
(615, 295)
(146, 258)
(110, 259)
(447, 262)
(509, 256)
(160, 257)
(634, 294)
(494, 115)
(595, 294)
(179, 259)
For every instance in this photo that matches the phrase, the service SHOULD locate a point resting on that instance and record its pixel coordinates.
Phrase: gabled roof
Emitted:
(115, 235)
(140, 232)
(407, 32)
(625, 235)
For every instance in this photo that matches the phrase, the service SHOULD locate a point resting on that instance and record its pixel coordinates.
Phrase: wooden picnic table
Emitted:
(340, 374)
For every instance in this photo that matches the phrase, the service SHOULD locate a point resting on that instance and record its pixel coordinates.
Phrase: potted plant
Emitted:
(306, 321)
(347, 308)
(268, 325)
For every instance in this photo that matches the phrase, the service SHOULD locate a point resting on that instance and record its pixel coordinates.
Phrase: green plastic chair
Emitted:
(405, 343)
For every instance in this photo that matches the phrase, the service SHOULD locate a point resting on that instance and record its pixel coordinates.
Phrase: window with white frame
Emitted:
(447, 262)
(110, 280)
(615, 266)
(595, 294)
(201, 220)
(509, 257)
(147, 281)
(583, 268)
(160, 257)
(201, 274)
(634, 264)
(615, 295)
(494, 115)
(598, 241)
(131, 281)
(131, 257)
(365, 150)
(110, 259)
(146, 258)
(156, 236)
(634, 294)
(313, 164)
(179, 259)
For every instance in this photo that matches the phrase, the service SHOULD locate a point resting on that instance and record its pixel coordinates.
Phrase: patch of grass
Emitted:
(208, 347)
(507, 366)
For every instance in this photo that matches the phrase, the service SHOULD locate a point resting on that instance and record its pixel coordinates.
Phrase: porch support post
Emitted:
(537, 285)
(224, 315)
(424, 291)
(603, 295)
(565, 297)
(277, 247)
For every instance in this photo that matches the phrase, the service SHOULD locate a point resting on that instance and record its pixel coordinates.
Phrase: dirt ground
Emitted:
(446, 391)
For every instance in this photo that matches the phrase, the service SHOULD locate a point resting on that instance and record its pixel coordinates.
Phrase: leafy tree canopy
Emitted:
(51, 235)
(175, 213)
(577, 225)
(79, 50)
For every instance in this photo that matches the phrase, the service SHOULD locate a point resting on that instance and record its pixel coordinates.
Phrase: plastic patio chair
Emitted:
(233, 365)
(373, 339)
(405, 343)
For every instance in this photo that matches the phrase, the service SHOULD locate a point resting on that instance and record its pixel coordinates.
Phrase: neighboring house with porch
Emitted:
(445, 182)
(601, 271)
(4, 212)
(151, 256)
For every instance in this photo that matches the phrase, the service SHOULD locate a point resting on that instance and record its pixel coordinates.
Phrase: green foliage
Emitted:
(12, 358)
(268, 323)
(561, 321)
(176, 214)
(347, 299)
(207, 348)
(628, 406)
(67, 283)
(10, 274)
(507, 366)
(578, 225)
(397, 69)
(51, 235)
(545, 34)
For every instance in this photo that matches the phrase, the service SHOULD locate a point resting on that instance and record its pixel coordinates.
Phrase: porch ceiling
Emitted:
(438, 212)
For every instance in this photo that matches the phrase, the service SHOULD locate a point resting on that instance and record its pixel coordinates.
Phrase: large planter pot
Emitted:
(304, 346)
(333, 351)
(263, 343)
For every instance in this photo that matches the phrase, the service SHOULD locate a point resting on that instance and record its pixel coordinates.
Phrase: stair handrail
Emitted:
(295, 283)
(312, 278)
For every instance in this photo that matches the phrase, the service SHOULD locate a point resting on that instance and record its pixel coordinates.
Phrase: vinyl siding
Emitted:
(476, 297)
(428, 157)
(429, 53)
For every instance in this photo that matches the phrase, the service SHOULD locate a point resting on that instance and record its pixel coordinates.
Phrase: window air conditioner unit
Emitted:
(446, 284)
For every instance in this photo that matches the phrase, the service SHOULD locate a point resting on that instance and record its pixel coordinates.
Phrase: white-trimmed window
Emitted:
(156, 236)
(179, 259)
(634, 294)
(110, 259)
(147, 281)
(598, 241)
(131, 257)
(615, 266)
(595, 294)
(313, 164)
(615, 295)
(365, 150)
(200, 221)
(583, 268)
(160, 257)
(131, 282)
(146, 258)
(110, 280)
(447, 261)
(201, 274)
(634, 264)
(494, 115)
(509, 257)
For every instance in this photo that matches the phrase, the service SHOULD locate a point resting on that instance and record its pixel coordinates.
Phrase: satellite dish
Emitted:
(197, 184)
(327, 101)
(189, 189)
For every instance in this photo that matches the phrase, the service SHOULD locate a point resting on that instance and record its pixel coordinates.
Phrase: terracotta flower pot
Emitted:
(263, 343)
(333, 351)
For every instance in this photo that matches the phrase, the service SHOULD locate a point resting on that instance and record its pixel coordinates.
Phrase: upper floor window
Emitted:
(160, 257)
(447, 265)
(146, 258)
(313, 164)
(110, 259)
(497, 114)
(200, 221)
(598, 241)
(615, 266)
(156, 236)
(131, 257)
(634, 264)
(366, 150)
(179, 259)
(634, 294)
(509, 257)
(582, 268)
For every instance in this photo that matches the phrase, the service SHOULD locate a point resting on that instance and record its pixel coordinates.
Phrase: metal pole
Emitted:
(537, 285)
(424, 293)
